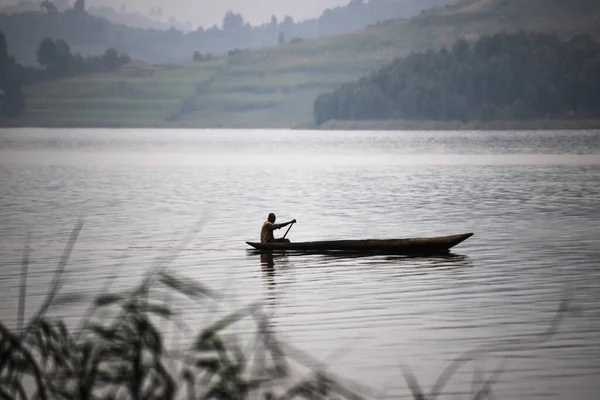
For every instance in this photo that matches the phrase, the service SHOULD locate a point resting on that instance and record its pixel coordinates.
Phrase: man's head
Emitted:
(272, 217)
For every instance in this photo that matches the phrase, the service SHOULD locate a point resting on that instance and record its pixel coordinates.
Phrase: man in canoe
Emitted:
(266, 232)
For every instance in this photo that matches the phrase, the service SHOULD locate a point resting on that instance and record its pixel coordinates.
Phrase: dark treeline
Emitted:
(12, 101)
(502, 77)
(56, 60)
(86, 32)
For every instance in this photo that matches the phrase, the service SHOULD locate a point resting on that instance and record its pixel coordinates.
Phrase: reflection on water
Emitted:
(441, 259)
(267, 263)
(532, 199)
(269, 259)
(271, 264)
(278, 264)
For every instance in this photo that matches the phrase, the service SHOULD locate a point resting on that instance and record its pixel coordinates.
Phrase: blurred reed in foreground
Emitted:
(125, 356)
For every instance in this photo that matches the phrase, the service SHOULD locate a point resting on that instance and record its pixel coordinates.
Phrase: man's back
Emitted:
(266, 232)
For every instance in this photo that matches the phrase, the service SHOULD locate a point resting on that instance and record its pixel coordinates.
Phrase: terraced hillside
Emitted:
(276, 87)
(138, 95)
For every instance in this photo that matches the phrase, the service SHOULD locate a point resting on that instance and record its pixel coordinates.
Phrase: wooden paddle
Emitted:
(286, 232)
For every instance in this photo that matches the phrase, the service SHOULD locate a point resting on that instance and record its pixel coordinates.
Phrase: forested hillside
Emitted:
(276, 87)
(89, 35)
(505, 76)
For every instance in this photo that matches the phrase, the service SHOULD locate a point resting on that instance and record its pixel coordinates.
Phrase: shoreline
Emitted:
(383, 125)
(335, 125)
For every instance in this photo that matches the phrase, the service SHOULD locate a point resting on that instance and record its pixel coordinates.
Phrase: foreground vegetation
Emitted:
(276, 87)
(502, 77)
(125, 355)
(120, 351)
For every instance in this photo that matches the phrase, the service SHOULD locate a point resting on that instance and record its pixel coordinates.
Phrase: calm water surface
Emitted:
(531, 198)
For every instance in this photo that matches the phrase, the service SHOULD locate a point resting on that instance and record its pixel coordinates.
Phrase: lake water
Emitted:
(531, 198)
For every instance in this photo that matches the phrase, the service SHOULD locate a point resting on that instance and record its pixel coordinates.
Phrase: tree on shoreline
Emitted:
(48, 6)
(12, 101)
(79, 6)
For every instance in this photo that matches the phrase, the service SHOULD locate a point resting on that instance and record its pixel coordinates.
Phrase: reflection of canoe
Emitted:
(430, 245)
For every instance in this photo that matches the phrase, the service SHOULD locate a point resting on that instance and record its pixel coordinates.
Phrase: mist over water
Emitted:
(531, 198)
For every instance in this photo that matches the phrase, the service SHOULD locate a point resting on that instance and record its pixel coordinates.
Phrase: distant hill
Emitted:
(276, 87)
(102, 27)
(119, 17)
(21, 7)
(134, 19)
(32, 5)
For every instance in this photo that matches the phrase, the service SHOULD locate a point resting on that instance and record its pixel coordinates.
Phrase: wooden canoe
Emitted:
(428, 245)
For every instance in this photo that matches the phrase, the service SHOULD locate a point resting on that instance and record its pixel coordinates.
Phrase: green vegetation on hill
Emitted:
(502, 77)
(57, 62)
(276, 87)
(137, 94)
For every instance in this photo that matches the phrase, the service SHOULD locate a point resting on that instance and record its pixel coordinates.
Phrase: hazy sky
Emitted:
(210, 12)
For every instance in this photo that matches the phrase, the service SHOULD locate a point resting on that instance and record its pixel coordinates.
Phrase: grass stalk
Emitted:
(23, 285)
(57, 278)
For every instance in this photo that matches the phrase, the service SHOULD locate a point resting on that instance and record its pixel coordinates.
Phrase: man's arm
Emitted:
(278, 226)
